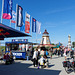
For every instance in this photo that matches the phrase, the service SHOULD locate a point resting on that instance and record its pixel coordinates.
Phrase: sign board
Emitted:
(17, 54)
(19, 40)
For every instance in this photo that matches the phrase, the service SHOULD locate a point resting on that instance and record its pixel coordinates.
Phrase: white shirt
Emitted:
(35, 54)
(41, 61)
(42, 53)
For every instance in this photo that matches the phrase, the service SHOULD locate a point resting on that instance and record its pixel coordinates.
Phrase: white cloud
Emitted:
(59, 10)
(49, 24)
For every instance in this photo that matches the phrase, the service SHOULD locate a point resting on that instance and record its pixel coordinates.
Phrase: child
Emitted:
(41, 61)
(4, 58)
(7, 58)
(11, 57)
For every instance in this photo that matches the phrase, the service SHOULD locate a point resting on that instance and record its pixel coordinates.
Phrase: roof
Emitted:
(47, 45)
(6, 32)
(22, 42)
(56, 46)
(45, 32)
(17, 42)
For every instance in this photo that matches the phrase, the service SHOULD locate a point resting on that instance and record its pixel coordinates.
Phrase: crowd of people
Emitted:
(8, 58)
(64, 52)
(40, 57)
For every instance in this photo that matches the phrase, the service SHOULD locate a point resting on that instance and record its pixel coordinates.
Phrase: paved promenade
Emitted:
(23, 67)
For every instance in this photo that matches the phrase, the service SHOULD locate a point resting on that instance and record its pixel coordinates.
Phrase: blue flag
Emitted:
(7, 9)
(19, 21)
(33, 25)
(59, 43)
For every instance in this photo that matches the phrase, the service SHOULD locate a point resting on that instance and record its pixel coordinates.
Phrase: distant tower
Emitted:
(69, 41)
(45, 38)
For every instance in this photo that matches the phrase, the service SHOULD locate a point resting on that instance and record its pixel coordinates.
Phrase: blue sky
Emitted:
(56, 16)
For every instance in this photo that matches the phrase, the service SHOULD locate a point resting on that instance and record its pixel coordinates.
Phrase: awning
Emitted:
(18, 42)
(6, 32)
(56, 46)
(47, 45)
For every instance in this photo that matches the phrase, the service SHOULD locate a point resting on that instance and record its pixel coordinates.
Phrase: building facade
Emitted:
(69, 41)
(45, 38)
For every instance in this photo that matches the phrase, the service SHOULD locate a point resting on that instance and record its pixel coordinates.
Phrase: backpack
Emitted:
(46, 52)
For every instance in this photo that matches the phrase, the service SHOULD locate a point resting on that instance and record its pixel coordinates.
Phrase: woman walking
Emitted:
(35, 58)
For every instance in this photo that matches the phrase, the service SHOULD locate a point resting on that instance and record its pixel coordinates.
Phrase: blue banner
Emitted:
(33, 25)
(19, 21)
(7, 9)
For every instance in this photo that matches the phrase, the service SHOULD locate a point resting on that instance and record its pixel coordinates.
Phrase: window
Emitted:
(15, 47)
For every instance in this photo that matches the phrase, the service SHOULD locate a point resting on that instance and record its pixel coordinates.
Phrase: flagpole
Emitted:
(10, 26)
(2, 9)
(36, 31)
(19, 28)
(36, 37)
(10, 22)
(16, 15)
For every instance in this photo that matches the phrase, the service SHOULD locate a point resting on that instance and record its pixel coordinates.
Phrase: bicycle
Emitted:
(69, 66)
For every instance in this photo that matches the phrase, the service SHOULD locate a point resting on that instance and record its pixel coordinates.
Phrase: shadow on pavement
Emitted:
(56, 57)
(69, 71)
(50, 66)
(23, 69)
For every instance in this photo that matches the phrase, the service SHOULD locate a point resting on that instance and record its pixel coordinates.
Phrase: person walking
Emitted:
(42, 53)
(28, 54)
(11, 57)
(7, 58)
(61, 52)
(74, 54)
(65, 54)
(51, 52)
(35, 58)
(71, 53)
